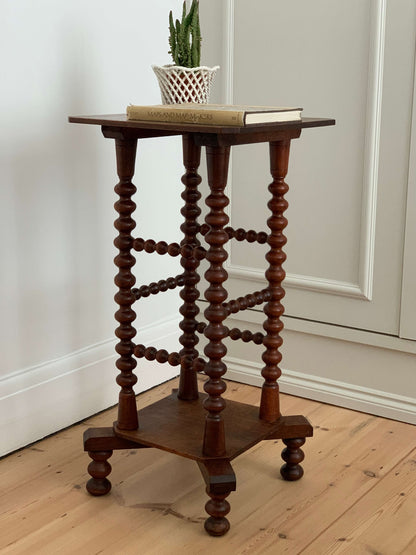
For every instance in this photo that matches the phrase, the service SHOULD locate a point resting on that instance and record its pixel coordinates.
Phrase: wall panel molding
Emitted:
(364, 288)
(372, 148)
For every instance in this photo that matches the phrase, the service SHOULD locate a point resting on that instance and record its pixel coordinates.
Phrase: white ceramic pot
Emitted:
(185, 84)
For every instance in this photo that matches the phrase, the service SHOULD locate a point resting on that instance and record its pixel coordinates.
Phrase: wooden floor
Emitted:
(358, 494)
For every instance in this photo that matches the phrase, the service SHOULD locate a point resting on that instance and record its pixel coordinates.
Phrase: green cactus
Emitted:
(185, 37)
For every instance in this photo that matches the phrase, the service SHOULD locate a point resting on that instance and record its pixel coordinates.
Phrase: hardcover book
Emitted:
(213, 114)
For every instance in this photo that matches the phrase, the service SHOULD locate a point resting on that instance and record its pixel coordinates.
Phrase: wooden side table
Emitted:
(202, 427)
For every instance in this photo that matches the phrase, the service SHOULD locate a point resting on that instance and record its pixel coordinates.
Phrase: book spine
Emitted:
(176, 115)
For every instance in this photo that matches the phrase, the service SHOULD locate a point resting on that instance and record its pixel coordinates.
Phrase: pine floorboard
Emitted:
(358, 494)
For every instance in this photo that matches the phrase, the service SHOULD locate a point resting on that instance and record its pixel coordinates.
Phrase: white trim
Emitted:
(229, 52)
(334, 392)
(43, 399)
(229, 93)
(372, 147)
(29, 378)
(408, 299)
(364, 288)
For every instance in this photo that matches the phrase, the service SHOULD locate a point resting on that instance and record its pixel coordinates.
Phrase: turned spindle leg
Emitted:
(220, 480)
(125, 280)
(214, 436)
(279, 159)
(99, 468)
(188, 386)
(293, 456)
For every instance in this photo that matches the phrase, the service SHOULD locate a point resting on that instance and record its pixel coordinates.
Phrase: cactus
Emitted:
(185, 37)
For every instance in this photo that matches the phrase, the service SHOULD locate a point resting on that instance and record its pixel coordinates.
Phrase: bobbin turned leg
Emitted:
(279, 160)
(220, 480)
(188, 385)
(292, 455)
(215, 331)
(125, 280)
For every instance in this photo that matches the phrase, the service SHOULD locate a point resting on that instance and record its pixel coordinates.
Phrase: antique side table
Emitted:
(202, 427)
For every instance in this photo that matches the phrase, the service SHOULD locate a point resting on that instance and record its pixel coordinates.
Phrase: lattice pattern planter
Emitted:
(179, 85)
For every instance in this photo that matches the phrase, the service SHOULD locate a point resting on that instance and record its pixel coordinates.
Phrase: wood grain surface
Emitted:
(358, 495)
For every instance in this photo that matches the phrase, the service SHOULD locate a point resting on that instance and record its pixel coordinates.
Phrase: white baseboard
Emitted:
(372, 401)
(43, 399)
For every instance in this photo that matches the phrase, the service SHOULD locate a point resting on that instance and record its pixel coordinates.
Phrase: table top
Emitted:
(121, 121)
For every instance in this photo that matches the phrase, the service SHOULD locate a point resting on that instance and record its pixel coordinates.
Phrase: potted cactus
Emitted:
(185, 80)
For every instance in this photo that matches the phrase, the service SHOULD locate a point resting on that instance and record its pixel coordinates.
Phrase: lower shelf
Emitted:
(178, 427)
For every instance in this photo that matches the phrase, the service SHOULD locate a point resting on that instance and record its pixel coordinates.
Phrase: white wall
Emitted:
(56, 202)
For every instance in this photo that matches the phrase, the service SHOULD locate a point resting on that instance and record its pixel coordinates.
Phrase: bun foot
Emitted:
(217, 507)
(216, 526)
(98, 487)
(292, 455)
(99, 468)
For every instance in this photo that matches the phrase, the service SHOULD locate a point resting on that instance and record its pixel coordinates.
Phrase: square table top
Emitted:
(121, 121)
(117, 126)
